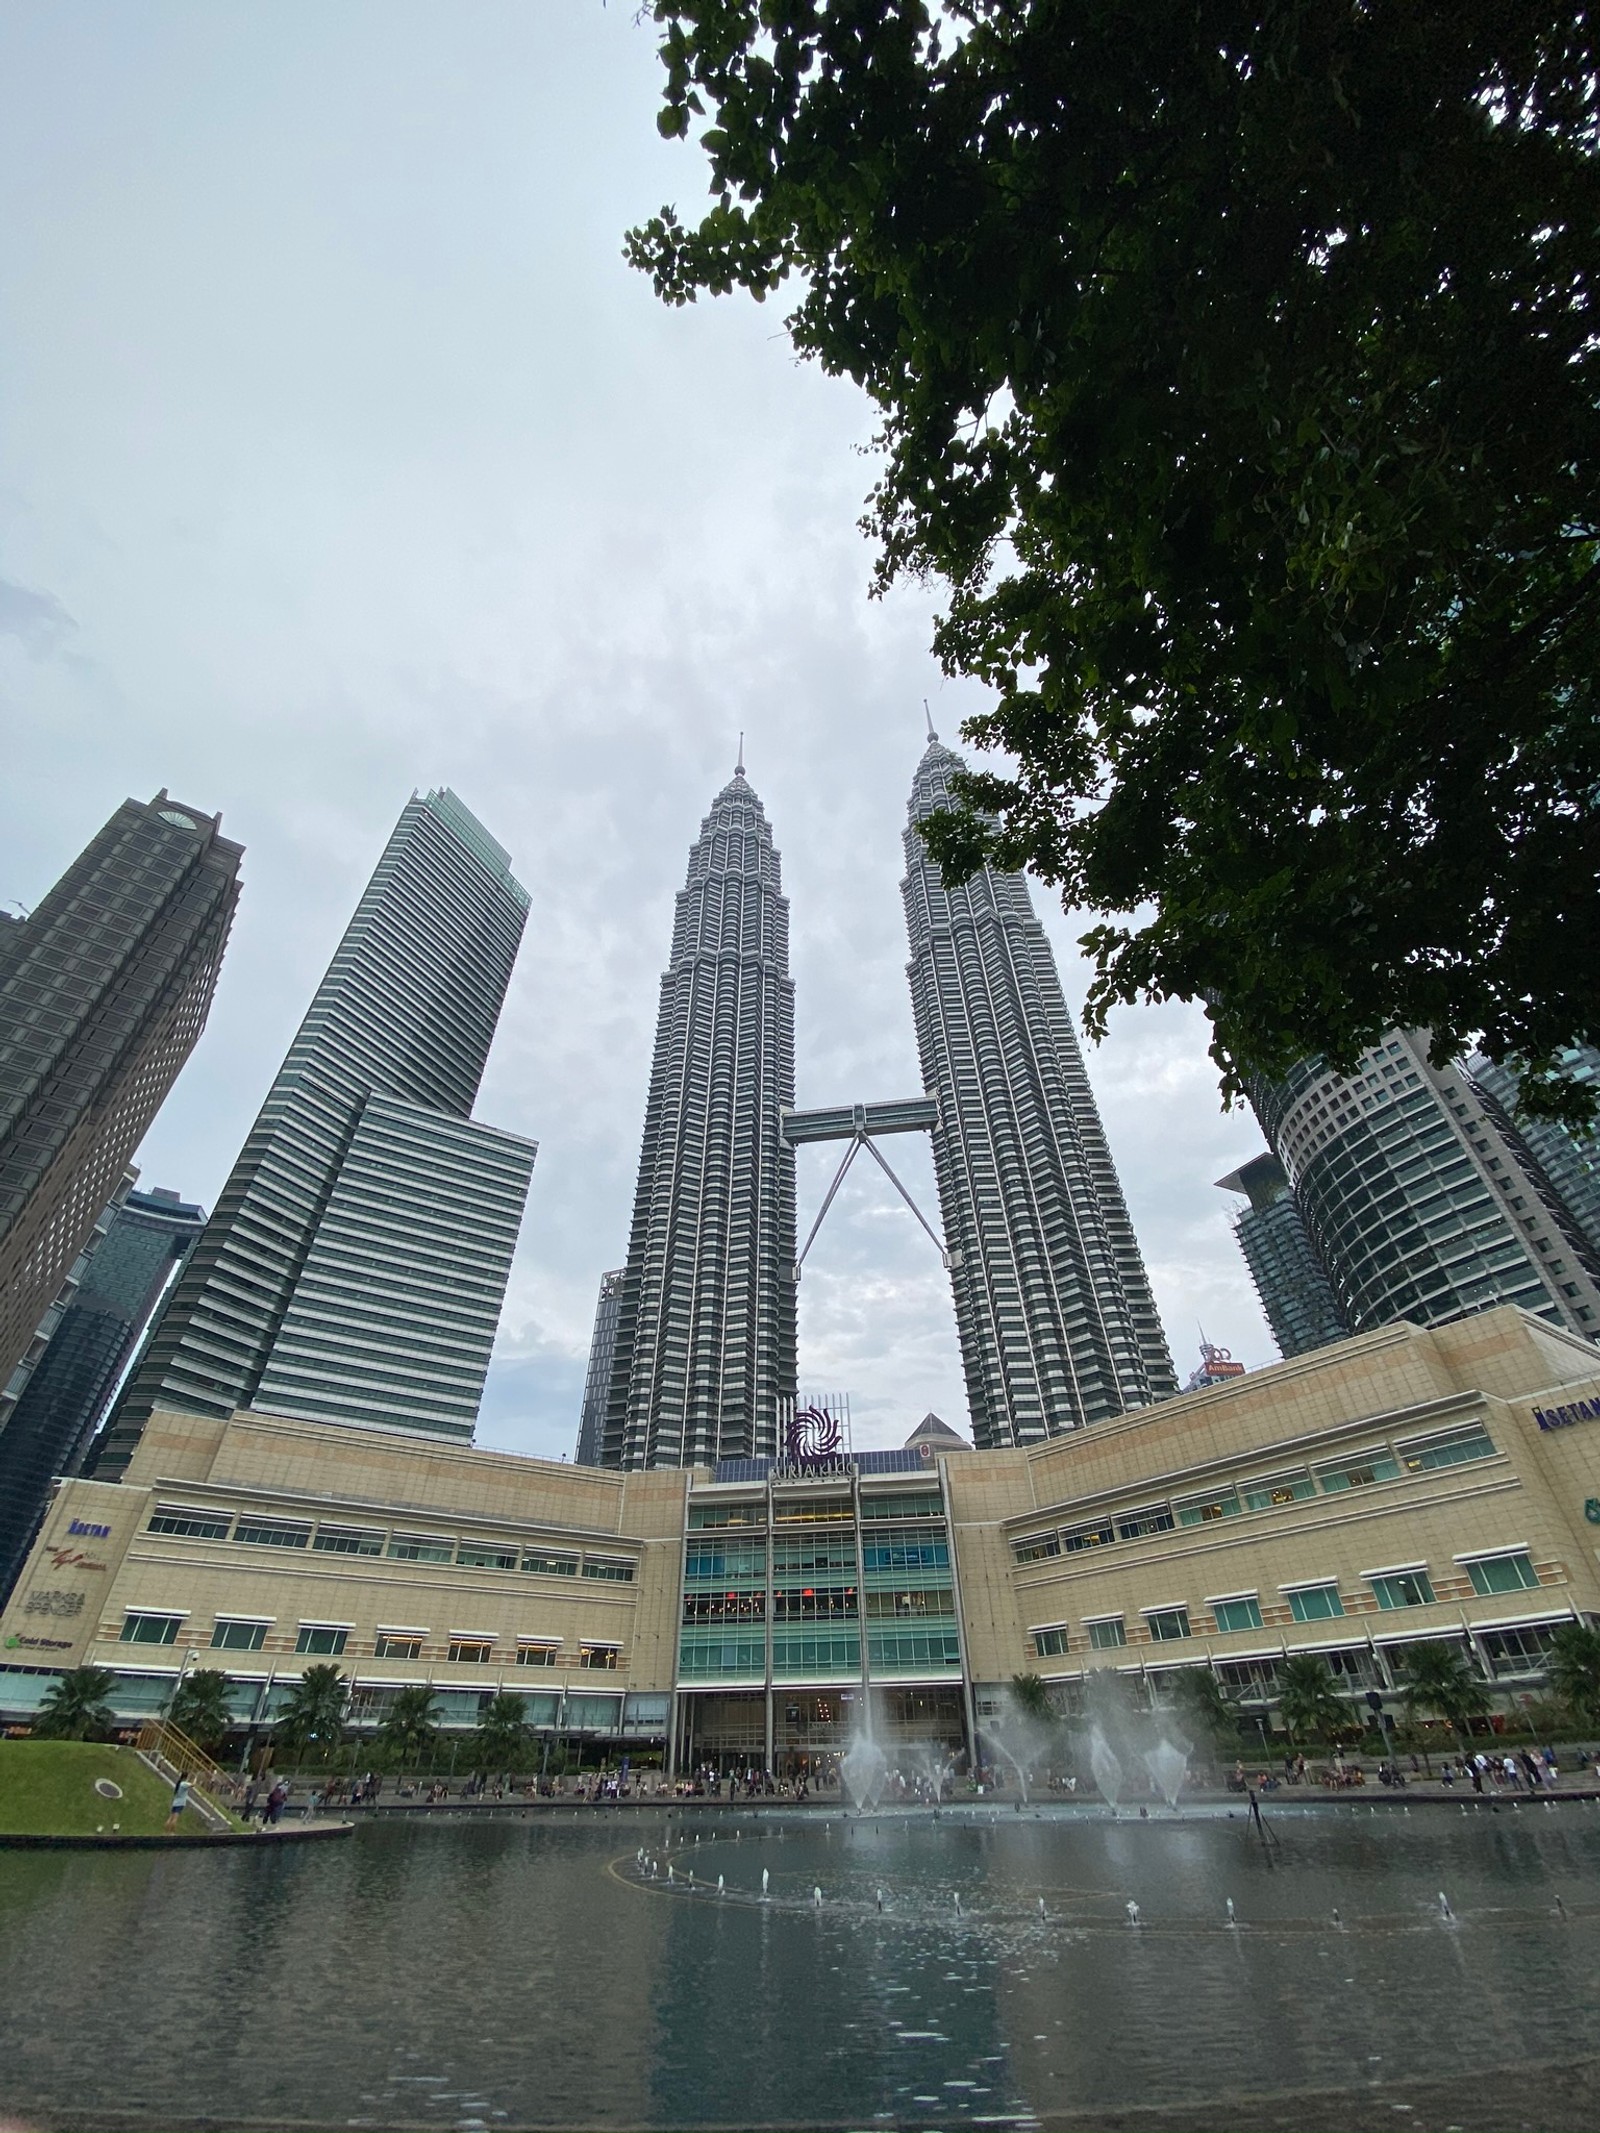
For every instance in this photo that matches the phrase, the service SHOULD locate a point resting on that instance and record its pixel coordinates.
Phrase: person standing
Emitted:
(180, 1800)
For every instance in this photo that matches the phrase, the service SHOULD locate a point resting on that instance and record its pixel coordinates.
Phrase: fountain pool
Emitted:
(964, 1969)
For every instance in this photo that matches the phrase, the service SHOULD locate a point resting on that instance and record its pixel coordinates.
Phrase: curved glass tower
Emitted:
(1057, 1323)
(705, 1342)
(354, 1268)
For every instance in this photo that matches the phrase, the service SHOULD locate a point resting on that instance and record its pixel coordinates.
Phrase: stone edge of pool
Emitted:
(300, 1835)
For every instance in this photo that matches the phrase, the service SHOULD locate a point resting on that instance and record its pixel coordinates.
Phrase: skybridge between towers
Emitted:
(861, 1125)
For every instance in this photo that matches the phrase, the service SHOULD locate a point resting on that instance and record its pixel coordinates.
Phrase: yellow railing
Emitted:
(175, 1747)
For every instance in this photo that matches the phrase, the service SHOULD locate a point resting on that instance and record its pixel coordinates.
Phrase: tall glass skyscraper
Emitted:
(1422, 1201)
(1570, 1160)
(354, 1268)
(705, 1343)
(1057, 1323)
(139, 1243)
(104, 988)
(1287, 1269)
(597, 1379)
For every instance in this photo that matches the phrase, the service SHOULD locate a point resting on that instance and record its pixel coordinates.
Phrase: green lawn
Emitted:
(47, 1790)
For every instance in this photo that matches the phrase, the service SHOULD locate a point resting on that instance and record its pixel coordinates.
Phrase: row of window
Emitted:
(328, 1640)
(323, 1539)
(827, 1510)
(1511, 1570)
(818, 1603)
(702, 1659)
(1262, 1493)
(725, 1563)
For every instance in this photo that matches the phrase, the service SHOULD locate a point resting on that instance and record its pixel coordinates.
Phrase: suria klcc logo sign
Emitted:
(812, 1444)
(813, 1434)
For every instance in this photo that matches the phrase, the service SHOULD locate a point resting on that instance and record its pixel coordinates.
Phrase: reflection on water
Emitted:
(535, 1972)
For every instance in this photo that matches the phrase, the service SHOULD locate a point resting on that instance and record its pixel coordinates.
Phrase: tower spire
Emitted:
(738, 768)
(928, 715)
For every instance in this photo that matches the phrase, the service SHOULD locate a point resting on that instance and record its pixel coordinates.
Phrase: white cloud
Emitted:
(360, 461)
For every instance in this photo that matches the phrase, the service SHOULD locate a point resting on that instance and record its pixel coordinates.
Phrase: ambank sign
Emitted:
(1565, 1417)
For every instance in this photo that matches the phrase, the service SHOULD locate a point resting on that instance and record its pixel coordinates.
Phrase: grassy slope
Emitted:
(47, 1789)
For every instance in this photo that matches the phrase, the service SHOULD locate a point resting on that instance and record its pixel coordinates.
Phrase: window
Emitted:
(1358, 1473)
(420, 1548)
(1168, 1625)
(238, 1636)
(1502, 1573)
(1107, 1634)
(1447, 1451)
(1515, 1651)
(619, 1573)
(151, 1629)
(901, 1606)
(1201, 1510)
(703, 1517)
(550, 1566)
(397, 1644)
(192, 1525)
(321, 1638)
(470, 1651)
(829, 1509)
(537, 1654)
(1281, 1489)
(1082, 1537)
(271, 1533)
(485, 1555)
(929, 1505)
(898, 1552)
(1038, 1548)
(1050, 1643)
(1134, 1525)
(1403, 1588)
(332, 1541)
(601, 1656)
(1315, 1603)
(1242, 1613)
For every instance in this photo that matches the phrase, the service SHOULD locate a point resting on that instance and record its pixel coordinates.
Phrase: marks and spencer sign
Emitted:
(1565, 1417)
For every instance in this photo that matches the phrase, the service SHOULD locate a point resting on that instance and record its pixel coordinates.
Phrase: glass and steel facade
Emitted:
(354, 1267)
(1570, 1160)
(813, 1592)
(597, 1379)
(705, 1338)
(104, 989)
(138, 1246)
(1420, 1200)
(1290, 1278)
(1057, 1322)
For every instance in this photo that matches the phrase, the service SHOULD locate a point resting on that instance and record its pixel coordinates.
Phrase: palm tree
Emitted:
(1574, 1663)
(313, 1717)
(75, 1706)
(1032, 1699)
(502, 1737)
(1204, 1702)
(1309, 1702)
(410, 1726)
(201, 1708)
(1440, 1677)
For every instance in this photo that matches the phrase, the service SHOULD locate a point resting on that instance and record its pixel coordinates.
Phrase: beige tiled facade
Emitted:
(1424, 1483)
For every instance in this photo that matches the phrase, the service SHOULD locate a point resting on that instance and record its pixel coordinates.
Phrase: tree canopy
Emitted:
(202, 1708)
(1238, 379)
(76, 1706)
(312, 1718)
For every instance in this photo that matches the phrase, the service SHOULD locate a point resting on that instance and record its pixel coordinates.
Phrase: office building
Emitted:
(141, 1241)
(705, 1340)
(354, 1267)
(1414, 1485)
(1420, 1199)
(1291, 1280)
(104, 989)
(1569, 1159)
(1057, 1323)
(597, 1379)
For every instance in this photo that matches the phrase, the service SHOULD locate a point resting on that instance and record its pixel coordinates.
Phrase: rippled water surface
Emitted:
(531, 1972)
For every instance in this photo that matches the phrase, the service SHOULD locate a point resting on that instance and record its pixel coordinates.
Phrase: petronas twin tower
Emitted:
(1053, 1307)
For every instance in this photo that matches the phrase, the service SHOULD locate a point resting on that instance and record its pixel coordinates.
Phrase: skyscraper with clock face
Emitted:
(355, 1264)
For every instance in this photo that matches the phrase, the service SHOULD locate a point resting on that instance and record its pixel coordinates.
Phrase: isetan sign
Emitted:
(1565, 1417)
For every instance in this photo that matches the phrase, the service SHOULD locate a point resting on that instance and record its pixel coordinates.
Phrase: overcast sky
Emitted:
(341, 454)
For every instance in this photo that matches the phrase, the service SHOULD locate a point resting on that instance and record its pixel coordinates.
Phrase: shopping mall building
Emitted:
(1406, 1485)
